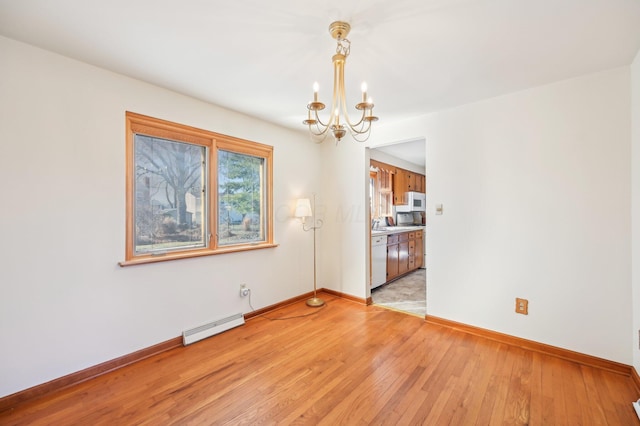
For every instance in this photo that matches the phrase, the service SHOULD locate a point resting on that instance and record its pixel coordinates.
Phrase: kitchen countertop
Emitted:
(388, 230)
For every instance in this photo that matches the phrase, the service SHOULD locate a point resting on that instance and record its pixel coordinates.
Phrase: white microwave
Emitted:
(416, 202)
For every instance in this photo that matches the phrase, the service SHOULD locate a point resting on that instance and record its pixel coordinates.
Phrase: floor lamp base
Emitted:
(315, 302)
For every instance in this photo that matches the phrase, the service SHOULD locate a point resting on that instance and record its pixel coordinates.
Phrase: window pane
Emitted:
(241, 203)
(170, 203)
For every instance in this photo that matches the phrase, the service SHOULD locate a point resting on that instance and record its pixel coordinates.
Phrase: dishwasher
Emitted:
(378, 260)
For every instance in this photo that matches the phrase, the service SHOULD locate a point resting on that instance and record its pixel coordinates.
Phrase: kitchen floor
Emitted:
(406, 294)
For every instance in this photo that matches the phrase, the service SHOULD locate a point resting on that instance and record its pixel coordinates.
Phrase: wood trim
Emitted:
(196, 253)
(11, 401)
(138, 123)
(302, 297)
(345, 296)
(542, 348)
(275, 306)
(63, 382)
(636, 378)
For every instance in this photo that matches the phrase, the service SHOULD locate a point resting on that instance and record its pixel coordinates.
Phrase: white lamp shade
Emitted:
(303, 208)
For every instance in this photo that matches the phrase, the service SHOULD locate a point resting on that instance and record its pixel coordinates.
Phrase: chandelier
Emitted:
(339, 122)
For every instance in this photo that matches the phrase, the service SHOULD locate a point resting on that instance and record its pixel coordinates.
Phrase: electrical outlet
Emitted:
(244, 291)
(522, 306)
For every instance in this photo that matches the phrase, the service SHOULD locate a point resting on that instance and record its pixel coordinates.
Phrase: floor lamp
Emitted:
(303, 211)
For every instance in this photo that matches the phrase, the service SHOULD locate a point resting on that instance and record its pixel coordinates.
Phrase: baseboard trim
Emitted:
(10, 401)
(275, 306)
(636, 378)
(345, 296)
(542, 348)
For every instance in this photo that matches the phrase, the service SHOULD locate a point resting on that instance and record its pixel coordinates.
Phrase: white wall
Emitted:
(635, 210)
(65, 304)
(536, 193)
(535, 187)
(345, 237)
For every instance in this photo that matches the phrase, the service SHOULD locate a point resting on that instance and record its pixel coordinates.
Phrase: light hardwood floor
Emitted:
(345, 364)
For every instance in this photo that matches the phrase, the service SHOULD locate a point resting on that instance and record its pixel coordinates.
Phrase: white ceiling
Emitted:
(262, 57)
(411, 151)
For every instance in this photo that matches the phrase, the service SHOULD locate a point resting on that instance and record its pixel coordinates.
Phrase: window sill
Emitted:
(200, 253)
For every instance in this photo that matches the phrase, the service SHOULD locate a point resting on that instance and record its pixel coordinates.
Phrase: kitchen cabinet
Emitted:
(419, 250)
(398, 181)
(411, 254)
(392, 257)
(406, 181)
(400, 186)
(421, 183)
(404, 253)
(411, 181)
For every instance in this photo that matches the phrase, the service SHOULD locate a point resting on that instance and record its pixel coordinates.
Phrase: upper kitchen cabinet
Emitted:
(411, 181)
(394, 182)
(406, 181)
(421, 183)
(400, 185)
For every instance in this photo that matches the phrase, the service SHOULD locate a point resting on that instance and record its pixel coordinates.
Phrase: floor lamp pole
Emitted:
(315, 301)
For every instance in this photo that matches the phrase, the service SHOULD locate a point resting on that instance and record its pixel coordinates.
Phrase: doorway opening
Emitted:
(407, 294)
(397, 195)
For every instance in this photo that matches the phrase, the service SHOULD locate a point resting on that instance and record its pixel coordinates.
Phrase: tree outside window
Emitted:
(240, 198)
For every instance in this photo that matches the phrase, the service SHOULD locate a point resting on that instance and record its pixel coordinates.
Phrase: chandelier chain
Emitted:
(343, 47)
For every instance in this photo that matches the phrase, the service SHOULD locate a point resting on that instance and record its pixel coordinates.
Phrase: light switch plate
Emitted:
(439, 209)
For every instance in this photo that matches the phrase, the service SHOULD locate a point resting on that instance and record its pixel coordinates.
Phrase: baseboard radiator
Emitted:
(207, 330)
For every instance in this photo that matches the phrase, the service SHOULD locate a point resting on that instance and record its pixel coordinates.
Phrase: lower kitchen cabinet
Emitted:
(419, 250)
(404, 253)
(412, 252)
(392, 257)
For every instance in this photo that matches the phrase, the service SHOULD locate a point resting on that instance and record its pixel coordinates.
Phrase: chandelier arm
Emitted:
(364, 130)
(360, 128)
(343, 100)
(353, 129)
(332, 115)
(366, 137)
(320, 123)
(320, 130)
(318, 138)
(348, 120)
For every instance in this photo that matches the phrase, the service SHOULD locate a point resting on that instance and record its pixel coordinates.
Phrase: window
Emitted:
(380, 189)
(172, 211)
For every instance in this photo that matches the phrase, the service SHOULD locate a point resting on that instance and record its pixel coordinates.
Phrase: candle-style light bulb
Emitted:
(363, 87)
(316, 87)
(337, 115)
